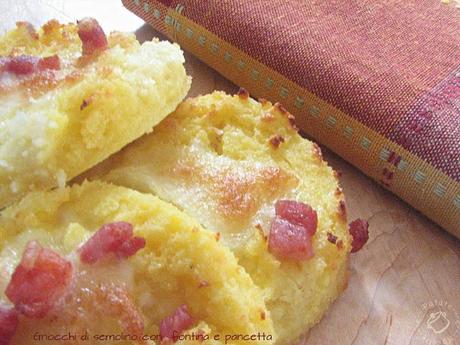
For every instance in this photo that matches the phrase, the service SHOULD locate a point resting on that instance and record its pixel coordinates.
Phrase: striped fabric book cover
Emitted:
(377, 82)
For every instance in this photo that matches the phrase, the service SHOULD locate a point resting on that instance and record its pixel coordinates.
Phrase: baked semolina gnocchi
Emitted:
(70, 97)
(240, 168)
(71, 262)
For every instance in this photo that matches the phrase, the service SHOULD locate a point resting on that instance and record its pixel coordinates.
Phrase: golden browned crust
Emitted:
(261, 231)
(291, 118)
(243, 93)
(51, 26)
(240, 196)
(342, 210)
(262, 315)
(263, 101)
(318, 153)
(276, 140)
(29, 28)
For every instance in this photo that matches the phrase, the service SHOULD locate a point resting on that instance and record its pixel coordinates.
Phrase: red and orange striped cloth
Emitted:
(378, 82)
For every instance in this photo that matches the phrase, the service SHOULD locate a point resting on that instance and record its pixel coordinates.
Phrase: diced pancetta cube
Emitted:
(92, 36)
(298, 213)
(172, 326)
(359, 230)
(39, 281)
(289, 241)
(8, 324)
(113, 238)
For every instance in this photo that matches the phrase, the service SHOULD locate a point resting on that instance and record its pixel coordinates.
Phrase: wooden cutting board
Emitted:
(404, 286)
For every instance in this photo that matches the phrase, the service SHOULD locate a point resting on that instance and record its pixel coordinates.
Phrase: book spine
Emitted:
(388, 163)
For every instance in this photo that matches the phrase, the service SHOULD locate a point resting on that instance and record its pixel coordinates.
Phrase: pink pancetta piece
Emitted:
(113, 238)
(41, 278)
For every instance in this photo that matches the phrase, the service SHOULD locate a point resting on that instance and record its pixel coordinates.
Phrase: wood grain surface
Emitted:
(404, 286)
